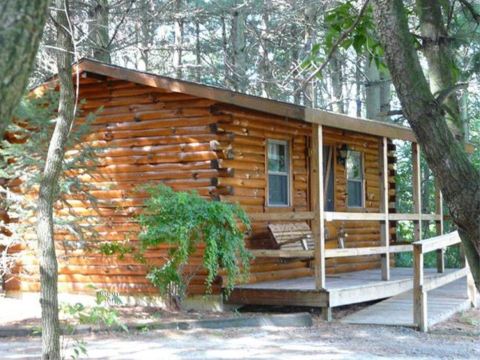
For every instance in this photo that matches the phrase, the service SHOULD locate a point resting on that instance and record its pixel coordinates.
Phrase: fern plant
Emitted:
(185, 221)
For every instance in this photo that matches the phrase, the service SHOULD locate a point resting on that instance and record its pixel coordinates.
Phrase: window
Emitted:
(354, 179)
(278, 173)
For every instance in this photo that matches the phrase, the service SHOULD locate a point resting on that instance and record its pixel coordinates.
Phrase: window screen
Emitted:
(354, 179)
(278, 173)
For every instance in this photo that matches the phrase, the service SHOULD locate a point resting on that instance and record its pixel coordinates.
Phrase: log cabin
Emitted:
(262, 154)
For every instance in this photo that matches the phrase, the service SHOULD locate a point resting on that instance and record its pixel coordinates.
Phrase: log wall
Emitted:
(142, 135)
(146, 134)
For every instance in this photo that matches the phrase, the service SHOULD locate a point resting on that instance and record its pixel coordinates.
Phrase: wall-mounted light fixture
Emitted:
(342, 153)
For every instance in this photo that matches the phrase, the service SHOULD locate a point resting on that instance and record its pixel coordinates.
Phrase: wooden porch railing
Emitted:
(336, 216)
(421, 285)
(318, 215)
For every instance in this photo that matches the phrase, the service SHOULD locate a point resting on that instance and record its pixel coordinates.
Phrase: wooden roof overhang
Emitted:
(287, 110)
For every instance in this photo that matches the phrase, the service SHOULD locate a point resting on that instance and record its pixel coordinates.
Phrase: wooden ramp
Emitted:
(398, 310)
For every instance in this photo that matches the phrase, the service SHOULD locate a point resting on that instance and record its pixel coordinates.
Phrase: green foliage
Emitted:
(184, 220)
(452, 259)
(79, 348)
(404, 204)
(116, 248)
(102, 313)
(24, 152)
(362, 38)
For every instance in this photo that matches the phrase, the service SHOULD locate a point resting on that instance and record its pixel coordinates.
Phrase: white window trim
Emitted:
(281, 173)
(361, 181)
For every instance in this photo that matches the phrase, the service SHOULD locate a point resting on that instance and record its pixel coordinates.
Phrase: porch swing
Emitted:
(298, 236)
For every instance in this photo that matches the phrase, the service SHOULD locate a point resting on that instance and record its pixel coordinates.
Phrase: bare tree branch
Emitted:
(471, 10)
(120, 24)
(441, 96)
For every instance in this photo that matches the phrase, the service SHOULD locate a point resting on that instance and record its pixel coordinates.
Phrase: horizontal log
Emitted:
(150, 175)
(156, 123)
(156, 158)
(145, 150)
(109, 135)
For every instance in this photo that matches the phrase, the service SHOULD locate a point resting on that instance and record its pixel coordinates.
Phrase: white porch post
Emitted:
(317, 202)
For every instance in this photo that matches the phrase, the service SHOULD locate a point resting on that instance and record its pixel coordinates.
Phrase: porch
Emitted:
(362, 286)
(328, 291)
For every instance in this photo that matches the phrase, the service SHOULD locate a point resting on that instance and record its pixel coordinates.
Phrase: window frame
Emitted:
(361, 181)
(288, 174)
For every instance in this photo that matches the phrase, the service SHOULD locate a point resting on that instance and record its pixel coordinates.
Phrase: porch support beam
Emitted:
(420, 310)
(385, 225)
(317, 203)
(417, 190)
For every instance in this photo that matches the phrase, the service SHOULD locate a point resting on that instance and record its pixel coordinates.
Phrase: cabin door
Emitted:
(328, 177)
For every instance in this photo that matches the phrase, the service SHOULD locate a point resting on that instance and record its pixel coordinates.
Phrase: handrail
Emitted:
(279, 253)
(331, 253)
(363, 251)
(437, 242)
(343, 216)
(421, 285)
(373, 216)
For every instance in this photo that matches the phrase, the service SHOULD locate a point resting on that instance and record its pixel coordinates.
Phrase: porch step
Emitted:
(398, 310)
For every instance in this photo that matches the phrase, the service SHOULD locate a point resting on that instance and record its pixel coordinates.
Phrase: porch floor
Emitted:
(341, 289)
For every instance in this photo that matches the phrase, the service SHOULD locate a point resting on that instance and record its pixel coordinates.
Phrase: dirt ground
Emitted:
(26, 312)
(457, 338)
(323, 341)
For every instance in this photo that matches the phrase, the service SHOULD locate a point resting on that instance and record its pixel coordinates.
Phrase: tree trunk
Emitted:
(264, 67)
(295, 59)
(377, 92)
(358, 86)
(436, 48)
(99, 31)
(144, 34)
(48, 189)
(21, 28)
(198, 52)
(178, 30)
(226, 55)
(458, 179)
(239, 61)
(336, 76)
(372, 90)
(310, 17)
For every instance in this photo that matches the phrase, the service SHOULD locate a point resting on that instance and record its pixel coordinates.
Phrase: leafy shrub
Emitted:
(102, 313)
(184, 220)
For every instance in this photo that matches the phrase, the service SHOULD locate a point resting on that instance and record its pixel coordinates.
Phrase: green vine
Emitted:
(185, 221)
